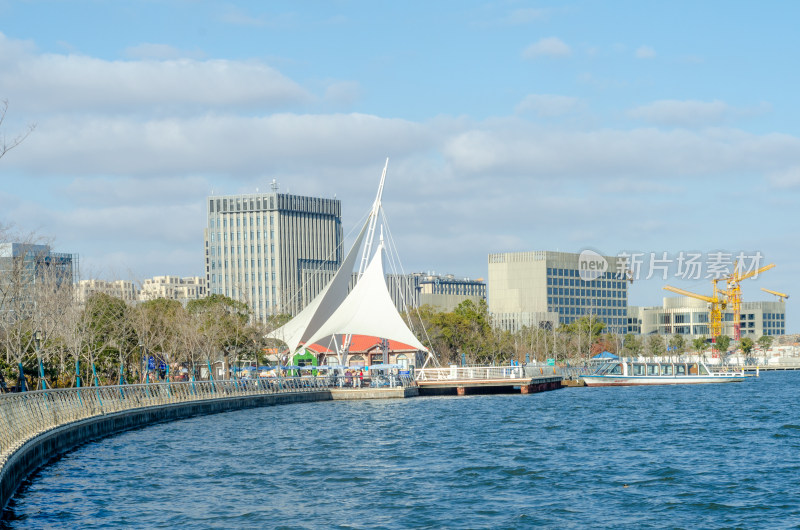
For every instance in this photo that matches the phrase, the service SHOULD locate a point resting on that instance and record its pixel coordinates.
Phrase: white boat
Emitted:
(628, 373)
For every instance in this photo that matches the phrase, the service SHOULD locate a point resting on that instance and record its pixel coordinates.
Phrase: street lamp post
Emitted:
(145, 363)
(37, 340)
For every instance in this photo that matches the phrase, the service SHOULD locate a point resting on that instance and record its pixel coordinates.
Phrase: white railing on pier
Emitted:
(492, 373)
(25, 415)
(462, 373)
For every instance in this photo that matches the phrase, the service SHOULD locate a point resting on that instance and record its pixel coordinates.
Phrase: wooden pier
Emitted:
(484, 380)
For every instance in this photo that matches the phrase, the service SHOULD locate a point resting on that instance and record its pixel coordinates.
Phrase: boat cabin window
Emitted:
(703, 370)
(652, 369)
(616, 370)
(680, 369)
(692, 369)
(607, 368)
(638, 369)
(666, 369)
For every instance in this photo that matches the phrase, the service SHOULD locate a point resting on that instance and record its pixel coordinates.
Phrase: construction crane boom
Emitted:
(734, 293)
(750, 274)
(715, 312)
(781, 296)
(690, 294)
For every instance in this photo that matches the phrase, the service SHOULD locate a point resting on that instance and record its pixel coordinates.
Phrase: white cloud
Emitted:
(93, 191)
(153, 51)
(211, 144)
(547, 47)
(525, 16)
(786, 178)
(239, 17)
(695, 114)
(122, 176)
(343, 92)
(53, 82)
(645, 52)
(548, 105)
(689, 113)
(516, 148)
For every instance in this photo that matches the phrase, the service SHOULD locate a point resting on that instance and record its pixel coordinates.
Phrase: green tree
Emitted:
(222, 324)
(699, 344)
(632, 345)
(158, 329)
(470, 331)
(655, 346)
(765, 342)
(747, 345)
(586, 326)
(581, 335)
(723, 342)
(107, 336)
(678, 344)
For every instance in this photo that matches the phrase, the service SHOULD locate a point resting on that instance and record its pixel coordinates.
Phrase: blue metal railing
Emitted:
(25, 415)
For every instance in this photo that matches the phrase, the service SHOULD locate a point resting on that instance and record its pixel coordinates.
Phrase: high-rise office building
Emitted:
(272, 250)
(24, 266)
(545, 288)
(37, 261)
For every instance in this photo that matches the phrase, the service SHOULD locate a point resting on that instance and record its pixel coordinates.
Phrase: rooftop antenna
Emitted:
(274, 185)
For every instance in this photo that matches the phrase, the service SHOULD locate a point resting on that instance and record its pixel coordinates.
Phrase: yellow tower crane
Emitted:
(716, 302)
(734, 293)
(781, 296)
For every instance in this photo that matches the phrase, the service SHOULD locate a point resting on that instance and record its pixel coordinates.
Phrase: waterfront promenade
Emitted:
(38, 426)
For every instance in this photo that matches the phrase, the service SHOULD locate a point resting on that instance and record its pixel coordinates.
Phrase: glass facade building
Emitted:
(273, 251)
(604, 298)
(546, 289)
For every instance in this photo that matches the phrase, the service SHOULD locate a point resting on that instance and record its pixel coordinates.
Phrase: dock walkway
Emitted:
(456, 380)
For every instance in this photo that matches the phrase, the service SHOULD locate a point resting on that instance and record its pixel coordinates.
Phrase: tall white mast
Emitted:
(373, 220)
(376, 206)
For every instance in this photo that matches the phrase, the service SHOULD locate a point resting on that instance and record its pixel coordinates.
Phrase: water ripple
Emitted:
(694, 456)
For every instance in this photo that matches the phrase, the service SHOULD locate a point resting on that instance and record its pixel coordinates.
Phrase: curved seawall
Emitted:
(54, 442)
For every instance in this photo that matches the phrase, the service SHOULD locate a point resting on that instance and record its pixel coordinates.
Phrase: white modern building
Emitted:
(174, 288)
(443, 292)
(273, 251)
(123, 289)
(169, 287)
(545, 289)
(447, 292)
(681, 315)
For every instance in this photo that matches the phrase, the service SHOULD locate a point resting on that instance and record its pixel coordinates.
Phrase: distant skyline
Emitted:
(510, 126)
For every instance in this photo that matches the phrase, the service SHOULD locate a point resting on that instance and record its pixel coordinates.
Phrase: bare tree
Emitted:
(7, 144)
(21, 282)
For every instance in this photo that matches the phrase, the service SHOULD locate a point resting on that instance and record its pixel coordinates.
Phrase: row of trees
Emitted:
(106, 340)
(103, 339)
(468, 332)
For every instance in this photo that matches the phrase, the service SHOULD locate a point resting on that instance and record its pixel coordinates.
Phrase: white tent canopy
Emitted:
(369, 310)
(300, 328)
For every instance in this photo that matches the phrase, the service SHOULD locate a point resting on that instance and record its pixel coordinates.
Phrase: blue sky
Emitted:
(510, 126)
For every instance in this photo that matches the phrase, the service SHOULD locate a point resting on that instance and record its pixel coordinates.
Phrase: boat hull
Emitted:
(621, 380)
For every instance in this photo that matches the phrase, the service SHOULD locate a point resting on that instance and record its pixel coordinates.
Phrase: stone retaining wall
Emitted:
(38, 451)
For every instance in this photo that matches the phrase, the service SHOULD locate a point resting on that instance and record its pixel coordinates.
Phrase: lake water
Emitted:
(724, 455)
